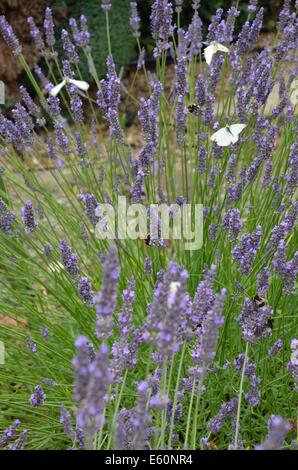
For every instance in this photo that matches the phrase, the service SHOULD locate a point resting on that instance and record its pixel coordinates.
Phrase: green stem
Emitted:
(240, 398)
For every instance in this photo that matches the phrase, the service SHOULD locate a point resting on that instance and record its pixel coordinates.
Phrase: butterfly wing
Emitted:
(294, 97)
(220, 47)
(80, 84)
(294, 92)
(208, 53)
(236, 129)
(223, 137)
(54, 91)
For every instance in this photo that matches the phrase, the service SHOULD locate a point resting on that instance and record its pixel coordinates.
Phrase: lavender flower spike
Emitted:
(7, 217)
(49, 27)
(19, 443)
(232, 222)
(135, 19)
(276, 348)
(9, 433)
(278, 429)
(10, 37)
(293, 364)
(38, 397)
(161, 25)
(93, 379)
(68, 258)
(106, 300)
(65, 419)
(28, 217)
(106, 5)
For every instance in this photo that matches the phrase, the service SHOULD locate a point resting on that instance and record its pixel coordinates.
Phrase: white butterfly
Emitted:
(213, 47)
(294, 92)
(78, 83)
(227, 135)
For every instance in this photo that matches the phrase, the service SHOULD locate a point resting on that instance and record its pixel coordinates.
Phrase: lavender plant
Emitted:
(133, 343)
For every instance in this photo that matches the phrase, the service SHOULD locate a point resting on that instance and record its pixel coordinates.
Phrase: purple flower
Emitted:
(137, 190)
(202, 159)
(19, 443)
(148, 114)
(106, 299)
(213, 28)
(200, 91)
(68, 258)
(141, 59)
(33, 109)
(122, 350)
(36, 36)
(168, 313)
(49, 382)
(46, 84)
(233, 13)
(135, 20)
(232, 222)
(92, 381)
(226, 411)
(178, 4)
(213, 231)
(47, 251)
(161, 25)
(293, 364)
(85, 290)
(7, 217)
(90, 204)
(38, 397)
(65, 419)
(10, 37)
(181, 67)
(253, 321)
(263, 281)
(267, 177)
(45, 333)
(207, 334)
(49, 27)
(148, 266)
(23, 127)
(28, 217)
(286, 269)
(61, 137)
(250, 368)
(253, 396)
(31, 345)
(252, 5)
(276, 348)
(76, 104)
(9, 433)
(195, 35)
(80, 438)
(278, 428)
(132, 428)
(292, 172)
(281, 231)
(230, 174)
(106, 5)
(245, 251)
(69, 48)
(81, 38)
(204, 297)
(108, 99)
